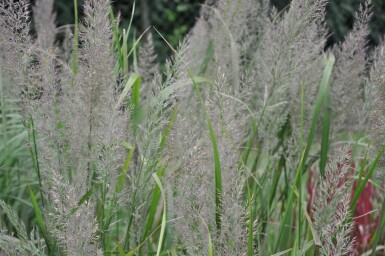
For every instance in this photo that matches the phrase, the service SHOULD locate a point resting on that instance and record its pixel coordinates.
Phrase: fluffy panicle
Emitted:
(155, 112)
(17, 224)
(44, 20)
(202, 46)
(15, 45)
(45, 119)
(75, 231)
(192, 146)
(94, 129)
(256, 73)
(233, 27)
(273, 46)
(190, 151)
(377, 112)
(233, 236)
(15, 24)
(230, 118)
(148, 64)
(76, 124)
(23, 245)
(349, 75)
(289, 58)
(331, 208)
(160, 103)
(33, 69)
(10, 246)
(66, 50)
(280, 65)
(94, 124)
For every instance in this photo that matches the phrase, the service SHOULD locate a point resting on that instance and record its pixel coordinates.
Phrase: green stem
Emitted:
(35, 157)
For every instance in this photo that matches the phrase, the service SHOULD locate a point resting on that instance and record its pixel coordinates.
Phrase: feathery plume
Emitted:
(331, 208)
(15, 47)
(23, 245)
(76, 232)
(377, 107)
(349, 75)
(95, 127)
(44, 20)
(148, 64)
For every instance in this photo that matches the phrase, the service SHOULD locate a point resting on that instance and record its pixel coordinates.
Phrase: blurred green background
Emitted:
(174, 18)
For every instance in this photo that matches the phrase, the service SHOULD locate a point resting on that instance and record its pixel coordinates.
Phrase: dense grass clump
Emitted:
(252, 139)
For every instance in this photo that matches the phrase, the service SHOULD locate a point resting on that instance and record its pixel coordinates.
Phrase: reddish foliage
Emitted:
(310, 191)
(366, 221)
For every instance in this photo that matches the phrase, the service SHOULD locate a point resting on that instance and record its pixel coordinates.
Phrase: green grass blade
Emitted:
(285, 252)
(378, 232)
(135, 57)
(250, 239)
(116, 35)
(136, 43)
(156, 193)
(317, 240)
(210, 251)
(121, 56)
(356, 195)
(40, 221)
(218, 177)
(135, 97)
(153, 207)
(131, 18)
(324, 87)
(152, 212)
(323, 92)
(325, 135)
(217, 161)
(35, 156)
(164, 215)
(132, 81)
(84, 198)
(361, 185)
(136, 249)
(125, 53)
(123, 172)
(118, 188)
